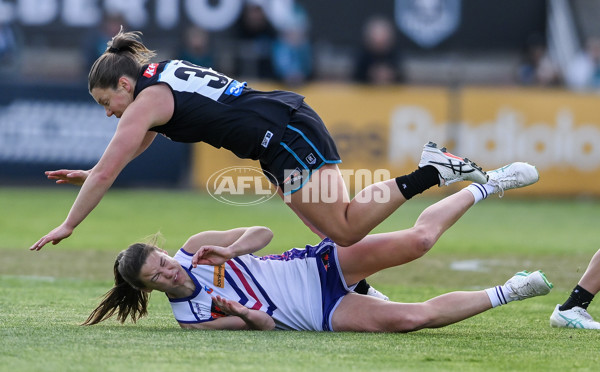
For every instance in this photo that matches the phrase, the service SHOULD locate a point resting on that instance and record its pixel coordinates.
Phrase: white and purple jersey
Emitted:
(300, 288)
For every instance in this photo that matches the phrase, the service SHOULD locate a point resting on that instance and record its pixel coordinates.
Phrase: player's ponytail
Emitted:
(124, 56)
(126, 298)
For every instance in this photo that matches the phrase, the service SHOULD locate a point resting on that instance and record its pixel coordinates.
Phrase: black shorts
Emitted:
(305, 146)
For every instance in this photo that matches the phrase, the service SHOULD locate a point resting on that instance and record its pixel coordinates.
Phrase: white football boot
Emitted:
(451, 168)
(512, 176)
(576, 317)
(525, 285)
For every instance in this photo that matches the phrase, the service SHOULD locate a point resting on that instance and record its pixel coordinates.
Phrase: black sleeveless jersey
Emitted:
(213, 108)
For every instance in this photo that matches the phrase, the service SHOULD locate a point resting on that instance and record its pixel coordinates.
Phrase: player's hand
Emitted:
(230, 307)
(211, 255)
(54, 236)
(73, 177)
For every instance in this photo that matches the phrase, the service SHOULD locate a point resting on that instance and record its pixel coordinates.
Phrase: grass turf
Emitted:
(40, 332)
(45, 295)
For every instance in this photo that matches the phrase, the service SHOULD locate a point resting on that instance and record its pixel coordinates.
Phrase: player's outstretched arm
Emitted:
(78, 177)
(124, 144)
(148, 110)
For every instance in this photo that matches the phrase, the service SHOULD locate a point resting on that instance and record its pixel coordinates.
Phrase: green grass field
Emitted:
(45, 295)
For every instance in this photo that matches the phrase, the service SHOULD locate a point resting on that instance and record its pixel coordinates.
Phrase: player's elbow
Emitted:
(266, 234)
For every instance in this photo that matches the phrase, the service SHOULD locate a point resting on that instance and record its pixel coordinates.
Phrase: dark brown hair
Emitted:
(124, 56)
(126, 297)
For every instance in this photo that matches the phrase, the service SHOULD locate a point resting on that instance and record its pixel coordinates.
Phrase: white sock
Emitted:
(480, 191)
(498, 295)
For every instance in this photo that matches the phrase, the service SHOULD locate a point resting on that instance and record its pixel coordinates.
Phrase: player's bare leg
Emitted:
(324, 202)
(383, 316)
(377, 252)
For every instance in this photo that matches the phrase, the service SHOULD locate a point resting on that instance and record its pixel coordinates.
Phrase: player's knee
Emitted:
(411, 321)
(420, 242)
(424, 244)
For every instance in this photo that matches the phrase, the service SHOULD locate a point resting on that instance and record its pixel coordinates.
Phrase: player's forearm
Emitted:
(258, 320)
(88, 198)
(253, 239)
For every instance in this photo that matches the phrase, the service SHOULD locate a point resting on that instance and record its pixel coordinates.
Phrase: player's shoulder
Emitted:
(149, 76)
(156, 91)
(183, 257)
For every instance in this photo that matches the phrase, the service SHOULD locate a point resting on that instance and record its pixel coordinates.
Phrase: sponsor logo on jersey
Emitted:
(215, 311)
(208, 289)
(219, 277)
(197, 309)
(151, 70)
(311, 159)
(266, 139)
(325, 260)
(235, 88)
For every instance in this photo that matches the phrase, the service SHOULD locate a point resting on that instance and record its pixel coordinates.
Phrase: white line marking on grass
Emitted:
(469, 265)
(30, 277)
(485, 265)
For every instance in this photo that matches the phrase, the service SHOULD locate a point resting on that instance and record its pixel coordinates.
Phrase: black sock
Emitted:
(362, 287)
(579, 297)
(418, 181)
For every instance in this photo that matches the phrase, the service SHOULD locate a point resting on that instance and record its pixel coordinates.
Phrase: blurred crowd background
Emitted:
(47, 47)
(535, 42)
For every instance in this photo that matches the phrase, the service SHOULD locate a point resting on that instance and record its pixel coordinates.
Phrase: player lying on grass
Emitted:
(215, 282)
(573, 313)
